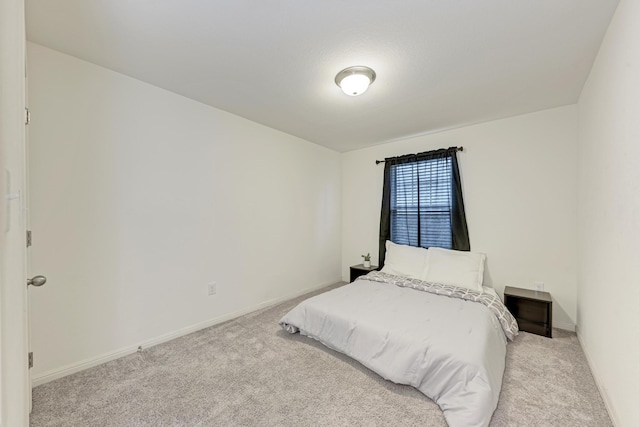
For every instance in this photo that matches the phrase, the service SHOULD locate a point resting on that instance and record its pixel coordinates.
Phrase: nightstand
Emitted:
(532, 309)
(360, 270)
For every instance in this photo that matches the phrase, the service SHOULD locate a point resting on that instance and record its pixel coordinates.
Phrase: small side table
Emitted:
(360, 270)
(532, 309)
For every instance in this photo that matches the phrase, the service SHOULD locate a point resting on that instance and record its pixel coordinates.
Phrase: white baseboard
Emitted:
(565, 326)
(72, 368)
(601, 388)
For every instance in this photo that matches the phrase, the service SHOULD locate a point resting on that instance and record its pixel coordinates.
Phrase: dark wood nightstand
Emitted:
(532, 309)
(360, 270)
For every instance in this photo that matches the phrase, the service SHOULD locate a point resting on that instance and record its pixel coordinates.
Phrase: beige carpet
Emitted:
(248, 372)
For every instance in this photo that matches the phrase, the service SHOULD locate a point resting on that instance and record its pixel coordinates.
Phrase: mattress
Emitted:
(451, 349)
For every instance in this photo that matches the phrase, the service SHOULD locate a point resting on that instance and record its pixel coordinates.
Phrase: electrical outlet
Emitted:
(211, 288)
(538, 286)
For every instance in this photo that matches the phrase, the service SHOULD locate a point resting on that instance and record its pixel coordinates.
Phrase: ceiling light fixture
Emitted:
(355, 81)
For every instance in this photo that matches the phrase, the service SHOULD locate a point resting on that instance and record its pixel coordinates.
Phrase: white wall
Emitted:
(609, 216)
(140, 197)
(519, 184)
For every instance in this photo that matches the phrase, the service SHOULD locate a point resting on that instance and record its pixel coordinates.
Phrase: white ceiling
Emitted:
(440, 63)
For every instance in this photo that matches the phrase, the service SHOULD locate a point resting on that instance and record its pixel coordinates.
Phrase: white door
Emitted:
(15, 387)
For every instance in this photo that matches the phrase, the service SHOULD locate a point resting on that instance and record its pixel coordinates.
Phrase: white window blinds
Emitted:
(421, 203)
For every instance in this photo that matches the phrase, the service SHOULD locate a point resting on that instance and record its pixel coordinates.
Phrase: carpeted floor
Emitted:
(248, 372)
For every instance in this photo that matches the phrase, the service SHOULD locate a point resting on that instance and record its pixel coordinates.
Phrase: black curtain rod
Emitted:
(382, 161)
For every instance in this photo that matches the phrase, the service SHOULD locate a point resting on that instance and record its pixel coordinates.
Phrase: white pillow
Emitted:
(458, 268)
(403, 260)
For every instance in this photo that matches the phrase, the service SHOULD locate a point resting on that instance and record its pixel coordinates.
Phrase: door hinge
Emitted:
(28, 238)
(30, 359)
(27, 116)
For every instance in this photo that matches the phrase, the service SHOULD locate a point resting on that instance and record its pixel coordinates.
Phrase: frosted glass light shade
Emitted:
(355, 84)
(355, 81)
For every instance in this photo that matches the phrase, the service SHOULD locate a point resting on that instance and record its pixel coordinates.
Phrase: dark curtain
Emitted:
(422, 202)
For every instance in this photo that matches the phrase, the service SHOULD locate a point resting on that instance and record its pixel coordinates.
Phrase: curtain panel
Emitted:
(422, 202)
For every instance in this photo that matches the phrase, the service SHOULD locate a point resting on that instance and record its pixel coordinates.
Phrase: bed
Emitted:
(447, 340)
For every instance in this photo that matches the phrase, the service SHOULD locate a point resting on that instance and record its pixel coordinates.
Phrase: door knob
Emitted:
(37, 281)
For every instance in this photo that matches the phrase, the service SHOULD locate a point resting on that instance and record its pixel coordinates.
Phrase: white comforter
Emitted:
(450, 349)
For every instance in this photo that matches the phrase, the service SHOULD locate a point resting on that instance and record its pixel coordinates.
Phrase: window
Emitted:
(421, 203)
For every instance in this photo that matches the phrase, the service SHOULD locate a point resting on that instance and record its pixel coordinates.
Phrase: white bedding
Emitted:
(451, 349)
